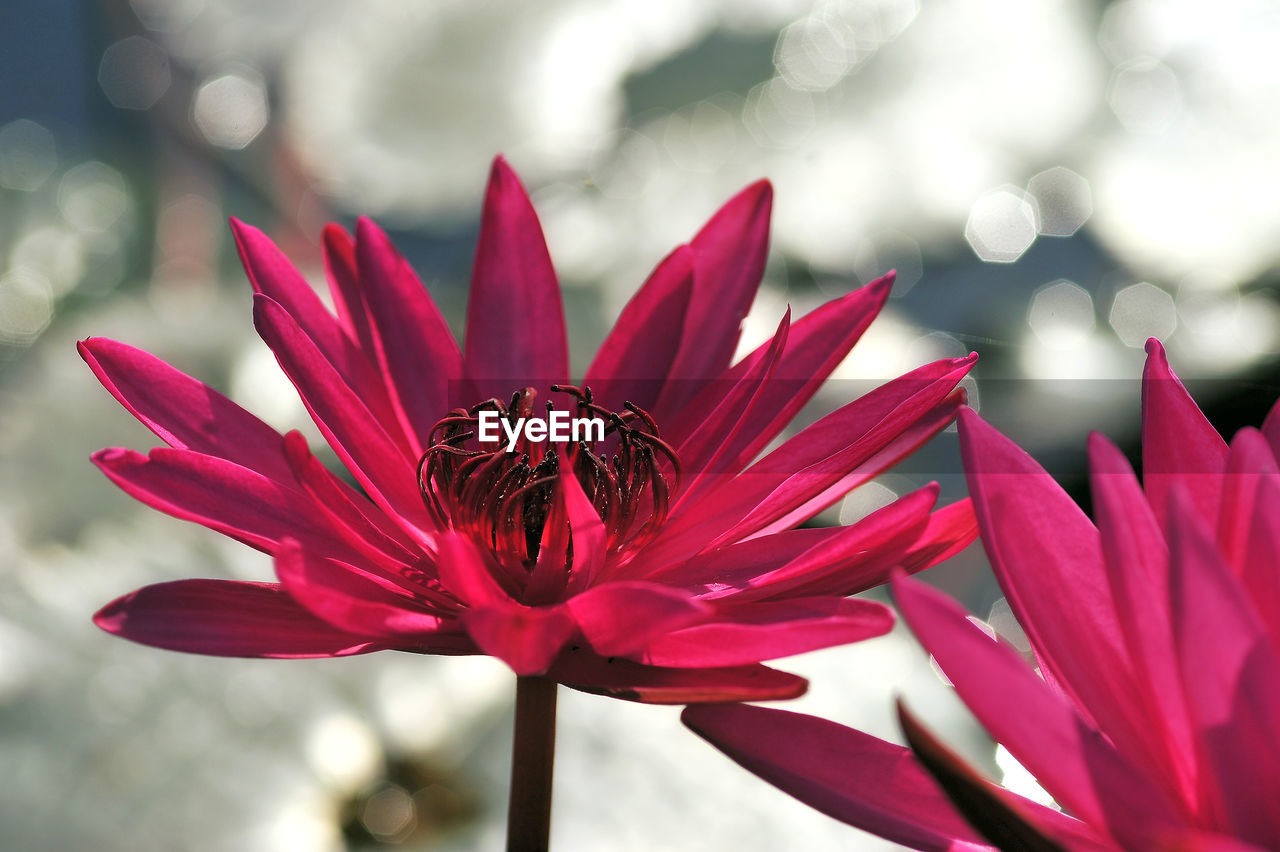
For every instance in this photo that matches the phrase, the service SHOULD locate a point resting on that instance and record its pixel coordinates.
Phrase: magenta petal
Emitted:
(849, 559)
(851, 776)
(356, 434)
(1229, 671)
(415, 348)
(1271, 428)
(816, 343)
(588, 534)
(350, 599)
(1249, 463)
(1262, 556)
(619, 678)
(220, 495)
(344, 287)
(1065, 604)
(718, 435)
(183, 412)
(768, 630)
(950, 530)
(224, 618)
(617, 619)
(635, 358)
(515, 320)
(1137, 564)
(274, 278)
(1179, 445)
(822, 463)
(525, 638)
(1070, 758)
(464, 571)
(728, 261)
(364, 526)
(1008, 820)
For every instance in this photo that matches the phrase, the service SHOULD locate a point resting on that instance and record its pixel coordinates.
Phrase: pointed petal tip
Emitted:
(884, 284)
(1105, 456)
(501, 170)
(1155, 348)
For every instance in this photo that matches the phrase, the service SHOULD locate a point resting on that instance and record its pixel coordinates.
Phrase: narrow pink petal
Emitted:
(415, 348)
(1006, 819)
(1261, 574)
(950, 530)
(221, 495)
(821, 464)
(527, 639)
(624, 679)
(1231, 675)
(466, 573)
(1066, 603)
(377, 462)
(365, 526)
(275, 278)
(1249, 463)
(817, 342)
(1179, 445)
(1137, 565)
(1271, 428)
(636, 357)
(728, 260)
(1071, 760)
(226, 619)
(550, 575)
(851, 776)
(617, 619)
(343, 277)
(587, 532)
(827, 459)
(863, 553)
(719, 435)
(515, 320)
(353, 601)
(767, 630)
(185, 413)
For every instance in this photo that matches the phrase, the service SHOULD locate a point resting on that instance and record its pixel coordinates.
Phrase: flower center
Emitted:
(499, 484)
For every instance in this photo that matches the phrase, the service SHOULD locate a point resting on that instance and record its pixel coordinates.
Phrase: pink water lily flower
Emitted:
(657, 562)
(1154, 719)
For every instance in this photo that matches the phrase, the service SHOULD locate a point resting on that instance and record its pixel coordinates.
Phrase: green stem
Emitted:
(532, 758)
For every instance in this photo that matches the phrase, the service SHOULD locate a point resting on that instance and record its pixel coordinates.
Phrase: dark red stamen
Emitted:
(503, 498)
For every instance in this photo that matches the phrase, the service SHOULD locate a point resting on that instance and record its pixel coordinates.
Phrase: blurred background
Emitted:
(1054, 180)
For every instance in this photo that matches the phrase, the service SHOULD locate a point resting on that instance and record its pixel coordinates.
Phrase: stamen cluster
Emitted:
(504, 497)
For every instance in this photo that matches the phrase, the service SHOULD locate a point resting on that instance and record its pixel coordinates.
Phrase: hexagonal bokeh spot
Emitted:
(134, 73)
(231, 110)
(28, 155)
(1146, 96)
(1063, 200)
(1140, 311)
(1061, 314)
(1001, 226)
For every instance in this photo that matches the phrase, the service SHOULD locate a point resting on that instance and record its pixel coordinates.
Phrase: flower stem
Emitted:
(532, 758)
